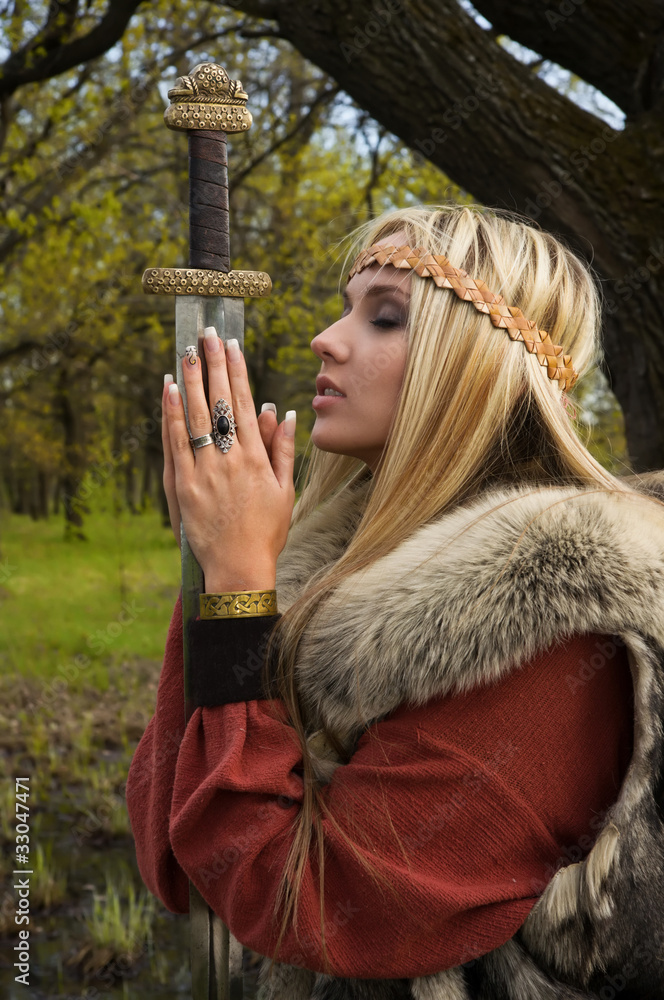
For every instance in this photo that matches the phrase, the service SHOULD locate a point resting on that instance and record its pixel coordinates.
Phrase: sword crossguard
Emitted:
(186, 281)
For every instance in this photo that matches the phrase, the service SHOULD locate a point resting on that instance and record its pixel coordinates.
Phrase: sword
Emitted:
(207, 105)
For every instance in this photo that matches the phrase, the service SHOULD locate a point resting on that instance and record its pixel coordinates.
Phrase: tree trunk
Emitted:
(37, 500)
(73, 494)
(130, 485)
(433, 77)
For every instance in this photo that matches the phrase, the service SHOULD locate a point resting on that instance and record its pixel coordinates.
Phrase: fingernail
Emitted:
(211, 339)
(289, 423)
(269, 406)
(168, 379)
(233, 349)
(191, 355)
(173, 394)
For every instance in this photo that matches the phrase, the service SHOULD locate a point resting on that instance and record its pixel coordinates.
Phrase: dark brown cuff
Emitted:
(226, 661)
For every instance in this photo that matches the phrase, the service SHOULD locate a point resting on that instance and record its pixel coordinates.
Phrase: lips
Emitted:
(323, 383)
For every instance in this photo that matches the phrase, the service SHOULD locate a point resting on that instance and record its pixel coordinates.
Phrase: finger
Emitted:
(178, 435)
(218, 382)
(244, 411)
(169, 467)
(198, 410)
(168, 379)
(283, 452)
(267, 425)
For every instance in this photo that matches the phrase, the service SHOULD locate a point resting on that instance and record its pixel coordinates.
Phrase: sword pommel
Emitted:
(208, 99)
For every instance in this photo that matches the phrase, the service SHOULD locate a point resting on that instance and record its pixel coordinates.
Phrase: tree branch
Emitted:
(321, 98)
(35, 141)
(378, 168)
(49, 53)
(627, 42)
(259, 33)
(269, 10)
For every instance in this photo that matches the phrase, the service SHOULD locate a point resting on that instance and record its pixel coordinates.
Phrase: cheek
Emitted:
(394, 372)
(385, 390)
(380, 374)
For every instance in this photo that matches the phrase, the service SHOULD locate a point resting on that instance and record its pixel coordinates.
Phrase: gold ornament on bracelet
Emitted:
(247, 603)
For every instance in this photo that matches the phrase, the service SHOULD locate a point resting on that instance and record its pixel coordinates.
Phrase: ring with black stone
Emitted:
(223, 425)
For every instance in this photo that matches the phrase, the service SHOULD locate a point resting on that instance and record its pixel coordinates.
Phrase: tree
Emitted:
(95, 190)
(445, 86)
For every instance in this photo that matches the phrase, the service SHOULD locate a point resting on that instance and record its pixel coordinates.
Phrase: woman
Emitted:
(442, 786)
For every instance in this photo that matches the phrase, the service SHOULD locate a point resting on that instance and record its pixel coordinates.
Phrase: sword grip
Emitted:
(209, 228)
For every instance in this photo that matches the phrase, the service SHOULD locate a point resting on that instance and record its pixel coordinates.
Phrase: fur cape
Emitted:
(469, 597)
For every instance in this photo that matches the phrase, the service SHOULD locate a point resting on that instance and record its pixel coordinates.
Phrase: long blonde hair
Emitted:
(475, 409)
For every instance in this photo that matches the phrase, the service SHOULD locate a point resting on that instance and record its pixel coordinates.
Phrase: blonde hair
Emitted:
(475, 409)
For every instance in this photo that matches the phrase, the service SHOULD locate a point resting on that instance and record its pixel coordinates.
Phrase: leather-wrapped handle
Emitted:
(209, 226)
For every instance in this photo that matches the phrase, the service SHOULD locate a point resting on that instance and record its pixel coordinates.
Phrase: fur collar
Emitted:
(468, 597)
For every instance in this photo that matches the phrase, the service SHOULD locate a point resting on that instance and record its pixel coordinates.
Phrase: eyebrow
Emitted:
(379, 290)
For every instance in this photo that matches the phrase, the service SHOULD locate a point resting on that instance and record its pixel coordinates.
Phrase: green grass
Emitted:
(106, 599)
(60, 600)
(48, 885)
(118, 933)
(122, 928)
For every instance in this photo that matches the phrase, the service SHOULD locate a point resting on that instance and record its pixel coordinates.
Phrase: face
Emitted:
(364, 355)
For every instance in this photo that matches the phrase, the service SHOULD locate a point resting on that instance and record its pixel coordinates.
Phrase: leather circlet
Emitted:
(428, 265)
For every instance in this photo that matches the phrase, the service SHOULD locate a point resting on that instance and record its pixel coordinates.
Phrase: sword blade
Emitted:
(216, 956)
(192, 314)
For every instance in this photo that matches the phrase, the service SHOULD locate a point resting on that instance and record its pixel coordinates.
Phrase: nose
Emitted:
(332, 342)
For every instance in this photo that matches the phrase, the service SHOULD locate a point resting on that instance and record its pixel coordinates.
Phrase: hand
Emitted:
(236, 507)
(267, 423)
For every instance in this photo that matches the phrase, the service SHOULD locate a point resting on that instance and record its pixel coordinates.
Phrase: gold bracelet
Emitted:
(253, 603)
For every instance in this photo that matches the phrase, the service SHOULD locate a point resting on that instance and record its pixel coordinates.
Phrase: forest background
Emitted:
(93, 189)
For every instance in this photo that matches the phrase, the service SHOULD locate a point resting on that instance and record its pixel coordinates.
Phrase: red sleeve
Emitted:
(452, 834)
(149, 787)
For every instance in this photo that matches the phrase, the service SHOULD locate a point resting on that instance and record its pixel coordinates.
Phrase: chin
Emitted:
(328, 442)
(325, 440)
(330, 446)
(337, 448)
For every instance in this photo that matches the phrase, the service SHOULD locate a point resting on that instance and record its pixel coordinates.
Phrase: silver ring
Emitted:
(222, 414)
(200, 442)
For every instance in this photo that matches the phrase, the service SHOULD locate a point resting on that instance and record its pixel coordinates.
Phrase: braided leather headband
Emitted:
(510, 318)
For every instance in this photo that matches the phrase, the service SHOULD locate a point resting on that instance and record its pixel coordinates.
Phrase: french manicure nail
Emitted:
(233, 349)
(211, 339)
(168, 379)
(173, 394)
(269, 406)
(289, 423)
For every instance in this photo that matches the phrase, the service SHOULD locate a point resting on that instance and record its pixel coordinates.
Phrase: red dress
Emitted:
(467, 805)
